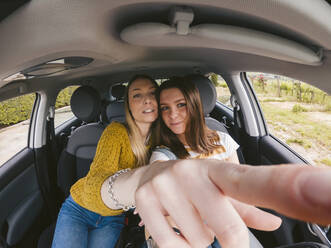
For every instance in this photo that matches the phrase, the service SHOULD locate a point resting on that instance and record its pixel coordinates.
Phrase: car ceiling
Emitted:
(45, 30)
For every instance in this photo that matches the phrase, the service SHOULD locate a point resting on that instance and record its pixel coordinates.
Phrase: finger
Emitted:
(256, 218)
(141, 223)
(182, 212)
(297, 191)
(223, 219)
(214, 208)
(152, 213)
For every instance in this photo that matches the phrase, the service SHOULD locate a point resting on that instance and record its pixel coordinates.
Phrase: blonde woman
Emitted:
(84, 220)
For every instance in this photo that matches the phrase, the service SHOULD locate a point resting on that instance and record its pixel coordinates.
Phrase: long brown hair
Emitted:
(198, 136)
(138, 144)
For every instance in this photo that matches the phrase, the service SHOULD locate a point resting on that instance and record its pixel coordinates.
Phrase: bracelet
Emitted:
(111, 192)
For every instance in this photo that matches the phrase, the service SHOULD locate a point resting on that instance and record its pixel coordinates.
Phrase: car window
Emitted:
(62, 105)
(222, 89)
(14, 125)
(296, 113)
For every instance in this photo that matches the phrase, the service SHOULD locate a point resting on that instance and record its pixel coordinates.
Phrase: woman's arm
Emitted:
(124, 188)
(195, 192)
(233, 158)
(110, 156)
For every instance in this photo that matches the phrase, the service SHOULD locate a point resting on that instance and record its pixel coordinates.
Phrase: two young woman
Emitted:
(90, 219)
(157, 189)
(190, 191)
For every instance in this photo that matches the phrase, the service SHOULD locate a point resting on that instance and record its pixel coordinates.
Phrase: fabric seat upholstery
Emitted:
(76, 158)
(208, 97)
(115, 110)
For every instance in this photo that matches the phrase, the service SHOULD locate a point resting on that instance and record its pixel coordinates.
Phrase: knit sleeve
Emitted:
(106, 162)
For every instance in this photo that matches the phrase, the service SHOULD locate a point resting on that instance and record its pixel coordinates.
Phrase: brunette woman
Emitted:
(184, 132)
(183, 129)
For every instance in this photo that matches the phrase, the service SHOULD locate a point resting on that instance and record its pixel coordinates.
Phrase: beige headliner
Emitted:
(44, 30)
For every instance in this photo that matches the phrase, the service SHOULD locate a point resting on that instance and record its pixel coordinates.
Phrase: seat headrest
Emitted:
(118, 91)
(207, 92)
(85, 103)
(116, 112)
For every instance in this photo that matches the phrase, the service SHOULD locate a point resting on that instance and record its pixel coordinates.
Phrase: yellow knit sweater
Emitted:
(113, 153)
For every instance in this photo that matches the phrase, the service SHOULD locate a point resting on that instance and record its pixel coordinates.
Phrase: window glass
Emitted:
(297, 113)
(222, 89)
(14, 125)
(62, 106)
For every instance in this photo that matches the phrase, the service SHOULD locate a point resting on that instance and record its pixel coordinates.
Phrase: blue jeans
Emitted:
(79, 227)
(215, 244)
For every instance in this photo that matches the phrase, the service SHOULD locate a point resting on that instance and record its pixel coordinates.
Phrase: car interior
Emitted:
(46, 46)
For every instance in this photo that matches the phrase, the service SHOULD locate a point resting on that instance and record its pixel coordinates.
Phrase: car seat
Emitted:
(115, 109)
(208, 97)
(75, 159)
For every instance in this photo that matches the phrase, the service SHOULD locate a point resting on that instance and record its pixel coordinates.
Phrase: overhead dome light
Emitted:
(225, 37)
(50, 67)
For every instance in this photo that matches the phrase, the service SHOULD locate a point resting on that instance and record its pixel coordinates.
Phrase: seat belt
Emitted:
(236, 118)
(47, 182)
(237, 123)
(237, 126)
(51, 136)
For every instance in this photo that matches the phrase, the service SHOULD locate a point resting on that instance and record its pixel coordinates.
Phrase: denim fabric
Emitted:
(79, 227)
(215, 244)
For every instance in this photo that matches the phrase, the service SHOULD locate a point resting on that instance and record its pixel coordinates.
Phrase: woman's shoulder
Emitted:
(116, 128)
(162, 153)
(161, 147)
(223, 135)
(227, 140)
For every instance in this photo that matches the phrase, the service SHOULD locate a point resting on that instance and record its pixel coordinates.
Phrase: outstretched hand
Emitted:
(207, 197)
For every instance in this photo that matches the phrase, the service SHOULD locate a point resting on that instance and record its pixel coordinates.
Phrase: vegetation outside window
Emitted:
(297, 113)
(222, 89)
(62, 106)
(14, 125)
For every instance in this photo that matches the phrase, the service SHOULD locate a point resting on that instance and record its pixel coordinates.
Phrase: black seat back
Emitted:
(115, 109)
(76, 158)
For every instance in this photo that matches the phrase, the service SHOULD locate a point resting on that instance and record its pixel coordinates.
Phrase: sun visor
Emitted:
(218, 36)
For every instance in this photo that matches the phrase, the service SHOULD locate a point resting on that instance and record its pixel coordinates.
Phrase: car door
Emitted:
(267, 149)
(23, 211)
(246, 123)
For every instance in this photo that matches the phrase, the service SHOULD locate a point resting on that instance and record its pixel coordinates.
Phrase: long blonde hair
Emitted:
(138, 144)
